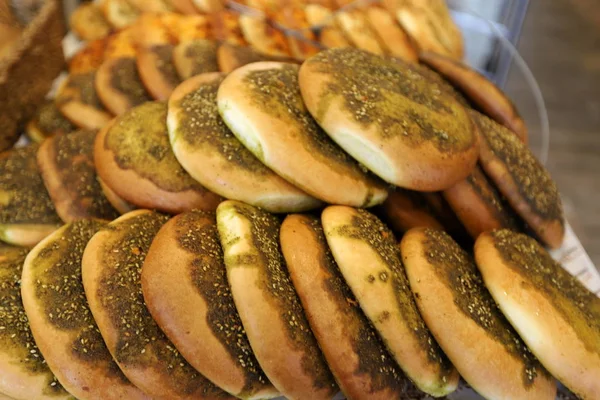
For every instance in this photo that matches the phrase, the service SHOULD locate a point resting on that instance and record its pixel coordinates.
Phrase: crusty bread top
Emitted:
(79, 88)
(157, 71)
(17, 346)
(48, 121)
(119, 77)
(195, 57)
(24, 199)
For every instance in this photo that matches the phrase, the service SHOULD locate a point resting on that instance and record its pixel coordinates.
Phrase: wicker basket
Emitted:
(28, 70)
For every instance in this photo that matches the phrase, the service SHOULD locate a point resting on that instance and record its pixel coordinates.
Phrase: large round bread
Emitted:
(78, 101)
(194, 57)
(478, 205)
(554, 313)
(134, 158)
(261, 104)
(212, 155)
(60, 319)
(111, 268)
(67, 166)
(394, 121)
(24, 374)
(406, 209)
(185, 287)
(467, 323)
(268, 305)
(369, 259)
(481, 91)
(522, 179)
(26, 211)
(356, 355)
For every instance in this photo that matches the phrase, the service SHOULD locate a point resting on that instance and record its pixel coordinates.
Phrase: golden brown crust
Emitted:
(225, 27)
(406, 209)
(554, 313)
(231, 57)
(157, 71)
(187, 27)
(478, 205)
(119, 13)
(183, 271)
(143, 170)
(466, 322)
(262, 105)
(140, 348)
(329, 34)
(522, 179)
(294, 18)
(88, 22)
(409, 132)
(79, 102)
(391, 36)
(185, 7)
(263, 37)
(61, 322)
(210, 153)
(356, 355)
(209, 6)
(48, 121)
(89, 58)
(481, 91)
(122, 206)
(195, 57)
(369, 259)
(268, 305)
(356, 29)
(152, 6)
(121, 43)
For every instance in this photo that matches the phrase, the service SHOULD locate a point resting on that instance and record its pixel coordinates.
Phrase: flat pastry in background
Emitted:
(89, 23)
(133, 157)
(554, 313)
(356, 29)
(119, 13)
(392, 37)
(329, 34)
(48, 121)
(61, 321)
(119, 86)
(263, 37)
(467, 323)
(231, 57)
(195, 57)
(27, 214)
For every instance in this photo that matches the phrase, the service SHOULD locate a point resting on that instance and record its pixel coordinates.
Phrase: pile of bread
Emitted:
(279, 230)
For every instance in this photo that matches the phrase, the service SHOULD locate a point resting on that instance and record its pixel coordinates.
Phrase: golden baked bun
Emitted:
(392, 37)
(369, 259)
(212, 155)
(356, 355)
(119, 13)
(195, 57)
(47, 121)
(406, 209)
(263, 37)
(478, 205)
(466, 321)
(268, 305)
(356, 29)
(522, 179)
(27, 214)
(185, 287)
(24, 374)
(61, 321)
(395, 122)
(557, 317)
(79, 102)
(88, 22)
(66, 163)
(262, 105)
(133, 157)
(483, 93)
(111, 269)
(330, 35)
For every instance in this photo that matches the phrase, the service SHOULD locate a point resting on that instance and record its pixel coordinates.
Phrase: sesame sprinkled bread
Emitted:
(134, 158)
(356, 355)
(554, 313)
(466, 321)
(262, 105)
(369, 259)
(79, 102)
(212, 155)
(111, 268)
(24, 374)
(393, 120)
(194, 57)
(268, 305)
(67, 166)
(61, 321)
(185, 287)
(522, 179)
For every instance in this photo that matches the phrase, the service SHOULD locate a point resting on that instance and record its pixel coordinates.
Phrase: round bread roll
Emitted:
(392, 37)
(78, 101)
(157, 71)
(478, 205)
(395, 122)
(122, 206)
(369, 259)
(111, 267)
(330, 35)
(60, 319)
(268, 305)
(261, 104)
(354, 25)
(24, 374)
(26, 211)
(263, 37)
(47, 121)
(195, 57)
(119, 85)
(67, 166)
(142, 169)
(481, 91)
(467, 323)
(405, 209)
(557, 317)
(184, 270)
(356, 355)
(119, 13)
(90, 57)
(88, 22)
(522, 179)
(210, 153)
